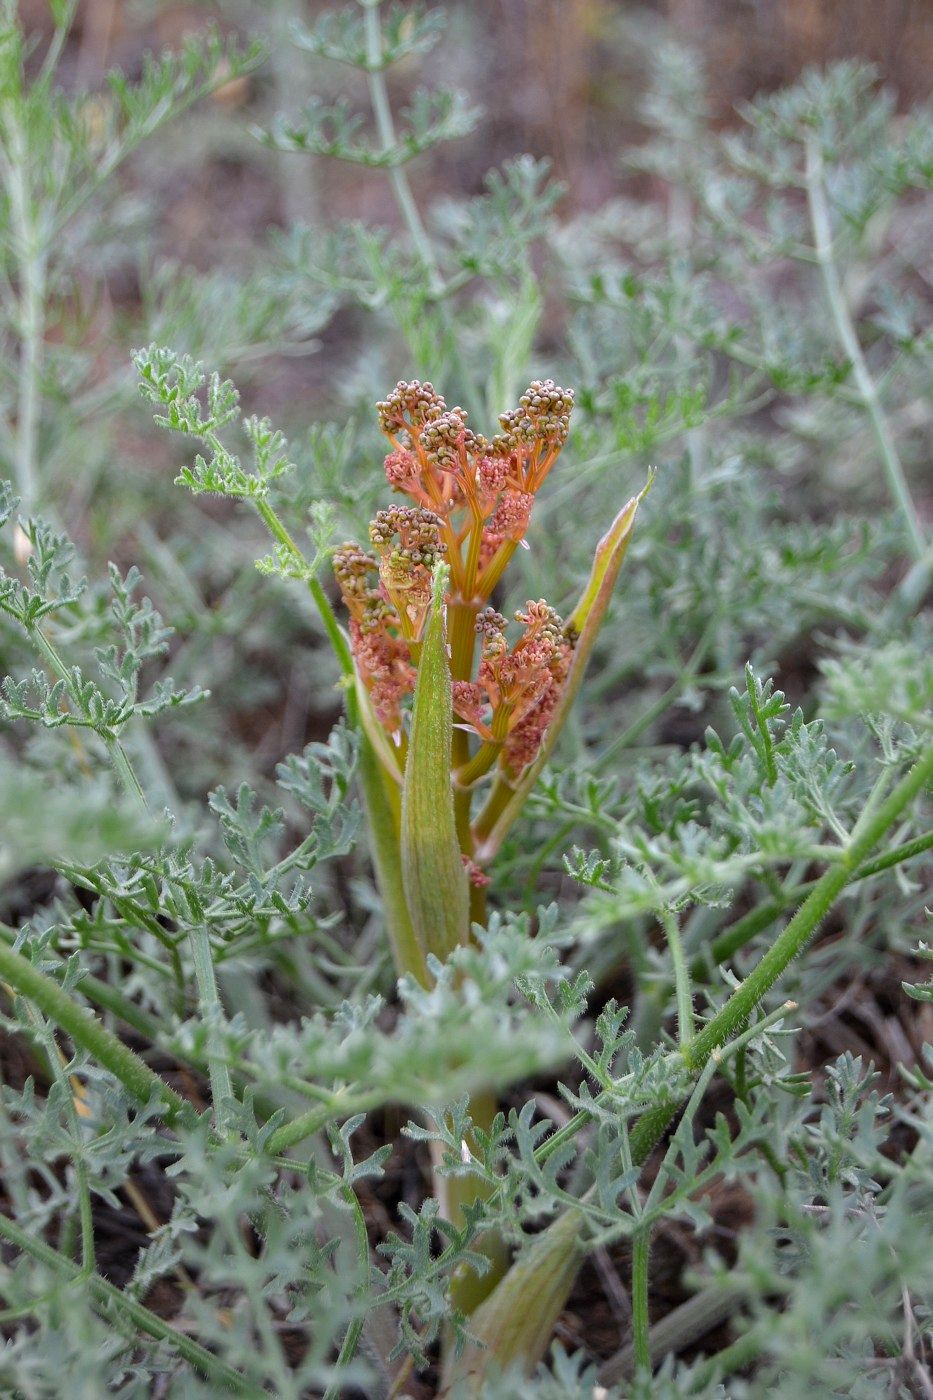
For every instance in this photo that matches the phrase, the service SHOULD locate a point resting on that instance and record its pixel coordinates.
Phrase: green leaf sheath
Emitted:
(432, 869)
(515, 1324)
(376, 784)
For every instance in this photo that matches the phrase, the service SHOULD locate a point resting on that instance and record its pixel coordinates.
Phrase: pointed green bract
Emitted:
(434, 879)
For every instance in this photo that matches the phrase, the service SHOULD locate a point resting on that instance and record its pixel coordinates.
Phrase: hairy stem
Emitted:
(734, 938)
(85, 1030)
(876, 819)
(212, 1014)
(107, 997)
(641, 1250)
(110, 1301)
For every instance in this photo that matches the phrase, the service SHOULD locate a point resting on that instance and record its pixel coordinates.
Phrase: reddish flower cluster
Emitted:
(513, 698)
(408, 542)
(441, 464)
(472, 499)
(382, 657)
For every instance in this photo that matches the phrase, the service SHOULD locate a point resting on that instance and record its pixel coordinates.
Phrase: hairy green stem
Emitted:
(142, 1083)
(734, 938)
(110, 1301)
(839, 309)
(342, 1104)
(106, 997)
(641, 1322)
(871, 827)
(212, 1013)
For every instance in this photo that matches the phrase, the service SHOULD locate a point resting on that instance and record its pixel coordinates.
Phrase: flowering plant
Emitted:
(205, 1025)
(472, 499)
(440, 722)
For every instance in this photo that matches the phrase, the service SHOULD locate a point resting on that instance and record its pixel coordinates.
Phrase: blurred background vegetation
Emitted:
(193, 243)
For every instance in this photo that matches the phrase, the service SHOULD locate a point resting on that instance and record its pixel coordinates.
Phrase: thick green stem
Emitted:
(109, 1300)
(85, 1030)
(734, 938)
(102, 994)
(641, 1322)
(342, 1104)
(839, 309)
(875, 821)
(212, 1013)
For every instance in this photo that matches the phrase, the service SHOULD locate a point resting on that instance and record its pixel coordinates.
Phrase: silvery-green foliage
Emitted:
(706, 781)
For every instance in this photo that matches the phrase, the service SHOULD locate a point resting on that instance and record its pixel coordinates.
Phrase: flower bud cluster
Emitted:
(517, 688)
(439, 462)
(408, 542)
(409, 405)
(382, 657)
(471, 503)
